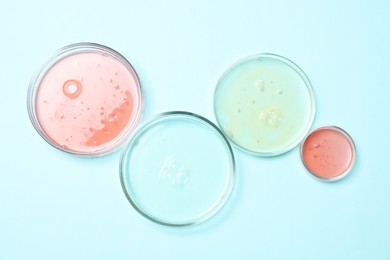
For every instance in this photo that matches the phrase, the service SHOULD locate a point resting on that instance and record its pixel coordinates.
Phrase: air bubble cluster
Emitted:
(174, 172)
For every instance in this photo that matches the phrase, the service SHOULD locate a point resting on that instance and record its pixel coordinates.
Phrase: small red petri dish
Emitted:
(328, 153)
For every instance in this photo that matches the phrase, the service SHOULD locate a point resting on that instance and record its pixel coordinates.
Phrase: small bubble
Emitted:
(72, 88)
(260, 85)
(316, 145)
(239, 110)
(279, 92)
(174, 172)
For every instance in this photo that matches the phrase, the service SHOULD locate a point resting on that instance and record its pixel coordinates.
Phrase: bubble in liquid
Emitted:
(72, 88)
(260, 85)
(174, 172)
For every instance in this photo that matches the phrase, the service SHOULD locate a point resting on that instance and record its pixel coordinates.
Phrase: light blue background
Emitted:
(55, 206)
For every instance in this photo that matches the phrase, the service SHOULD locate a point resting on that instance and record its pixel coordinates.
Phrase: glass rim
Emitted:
(309, 88)
(351, 164)
(144, 128)
(58, 55)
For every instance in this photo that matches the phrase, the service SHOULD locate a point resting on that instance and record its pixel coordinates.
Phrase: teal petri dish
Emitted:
(264, 104)
(177, 169)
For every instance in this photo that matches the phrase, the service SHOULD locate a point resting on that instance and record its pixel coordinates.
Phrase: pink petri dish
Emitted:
(85, 100)
(328, 153)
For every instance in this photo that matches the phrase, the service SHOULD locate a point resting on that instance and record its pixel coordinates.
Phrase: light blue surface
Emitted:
(55, 206)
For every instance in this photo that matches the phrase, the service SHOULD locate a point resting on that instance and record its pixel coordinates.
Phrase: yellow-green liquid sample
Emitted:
(264, 104)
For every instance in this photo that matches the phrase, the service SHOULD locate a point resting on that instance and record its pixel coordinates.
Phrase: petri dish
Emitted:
(264, 104)
(178, 169)
(85, 99)
(328, 153)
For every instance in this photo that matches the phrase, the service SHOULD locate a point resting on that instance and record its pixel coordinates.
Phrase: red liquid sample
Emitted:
(87, 101)
(328, 152)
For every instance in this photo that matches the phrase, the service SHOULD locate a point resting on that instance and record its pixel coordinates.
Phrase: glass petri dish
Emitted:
(178, 169)
(328, 153)
(85, 99)
(264, 104)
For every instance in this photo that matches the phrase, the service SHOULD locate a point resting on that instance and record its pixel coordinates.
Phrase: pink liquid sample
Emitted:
(87, 101)
(328, 152)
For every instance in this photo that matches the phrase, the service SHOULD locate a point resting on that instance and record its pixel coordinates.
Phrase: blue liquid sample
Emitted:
(178, 169)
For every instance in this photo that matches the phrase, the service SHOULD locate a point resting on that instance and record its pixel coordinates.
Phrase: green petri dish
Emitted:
(178, 169)
(264, 104)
